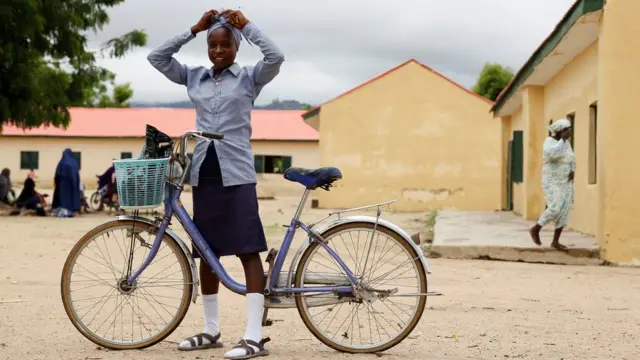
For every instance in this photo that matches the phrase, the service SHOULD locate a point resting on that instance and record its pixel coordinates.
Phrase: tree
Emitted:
(121, 95)
(45, 65)
(493, 78)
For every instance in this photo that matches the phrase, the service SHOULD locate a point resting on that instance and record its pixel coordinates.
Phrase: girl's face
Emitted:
(222, 48)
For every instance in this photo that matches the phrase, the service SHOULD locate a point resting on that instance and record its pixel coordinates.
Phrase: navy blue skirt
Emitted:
(227, 217)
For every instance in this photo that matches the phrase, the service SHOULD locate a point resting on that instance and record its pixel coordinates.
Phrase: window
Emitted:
(517, 158)
(29, 160)
(572, 118)
(78, 157)
(126, 155)
(268, 164)
(593, 143)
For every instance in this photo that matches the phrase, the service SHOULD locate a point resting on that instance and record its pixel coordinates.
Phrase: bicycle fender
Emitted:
(381, 223)
(183, 247)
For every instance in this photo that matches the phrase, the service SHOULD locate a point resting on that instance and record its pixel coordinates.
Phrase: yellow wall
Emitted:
(619, 172)
(572, 91)
(96, 155)
(606, 72)
(411, 135)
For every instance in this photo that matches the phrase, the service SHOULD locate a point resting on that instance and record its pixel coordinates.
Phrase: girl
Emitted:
(225, 203)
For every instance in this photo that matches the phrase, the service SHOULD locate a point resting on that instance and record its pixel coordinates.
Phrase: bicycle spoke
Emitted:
(119, 313)
(384, 264)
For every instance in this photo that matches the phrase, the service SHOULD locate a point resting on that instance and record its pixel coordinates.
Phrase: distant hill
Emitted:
(276, 104)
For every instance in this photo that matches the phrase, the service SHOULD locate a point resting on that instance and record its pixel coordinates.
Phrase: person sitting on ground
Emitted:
(225, 203)
(7, 194)
(558, 169)
(30, 200)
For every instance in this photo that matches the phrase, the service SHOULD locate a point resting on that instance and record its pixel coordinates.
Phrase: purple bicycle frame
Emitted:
(173, 206)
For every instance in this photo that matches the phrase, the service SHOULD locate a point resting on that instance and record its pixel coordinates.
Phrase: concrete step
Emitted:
(505, 236)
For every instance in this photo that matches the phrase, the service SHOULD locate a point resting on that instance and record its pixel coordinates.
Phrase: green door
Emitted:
(515, 164)
(509, 204)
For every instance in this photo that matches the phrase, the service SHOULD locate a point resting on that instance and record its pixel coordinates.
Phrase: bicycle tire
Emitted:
(96, 199)
(68, 306)
(317, 333)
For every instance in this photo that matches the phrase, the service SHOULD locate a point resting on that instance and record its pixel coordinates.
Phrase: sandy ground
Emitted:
(490, 310)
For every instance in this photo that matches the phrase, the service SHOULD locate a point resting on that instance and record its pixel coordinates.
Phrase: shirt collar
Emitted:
(234, 69)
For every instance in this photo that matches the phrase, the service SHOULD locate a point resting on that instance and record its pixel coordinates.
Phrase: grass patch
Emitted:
(430, 225)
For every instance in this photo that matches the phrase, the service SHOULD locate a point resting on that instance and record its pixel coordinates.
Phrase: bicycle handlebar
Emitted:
(210, 135)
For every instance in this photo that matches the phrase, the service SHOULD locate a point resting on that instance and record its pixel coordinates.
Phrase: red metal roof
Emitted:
(390, 71)
(130, 122)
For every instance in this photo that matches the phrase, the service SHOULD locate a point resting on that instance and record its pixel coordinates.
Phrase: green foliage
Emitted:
(493, 78)
(45, 65)
(121, 95)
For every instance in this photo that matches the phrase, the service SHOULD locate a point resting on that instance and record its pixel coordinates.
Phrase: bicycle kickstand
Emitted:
(269, 260)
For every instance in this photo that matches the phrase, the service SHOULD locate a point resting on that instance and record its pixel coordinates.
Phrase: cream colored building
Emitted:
(99, 135)
(586, 70)
(413, 135)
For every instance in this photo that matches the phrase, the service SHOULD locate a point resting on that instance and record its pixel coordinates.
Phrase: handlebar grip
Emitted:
(211, 135)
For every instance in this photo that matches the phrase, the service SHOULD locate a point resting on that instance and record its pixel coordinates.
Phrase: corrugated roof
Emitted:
(131, 122)
(313, 111)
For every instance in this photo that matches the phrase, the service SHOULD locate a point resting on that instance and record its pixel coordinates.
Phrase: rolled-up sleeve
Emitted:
(162, 58)
(269, 67)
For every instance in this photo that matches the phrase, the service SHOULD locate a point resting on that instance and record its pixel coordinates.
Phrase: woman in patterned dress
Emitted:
(559, 166)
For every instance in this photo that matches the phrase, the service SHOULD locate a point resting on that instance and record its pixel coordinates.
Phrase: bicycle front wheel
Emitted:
(95, 202)
(104, 308)
(387, 304)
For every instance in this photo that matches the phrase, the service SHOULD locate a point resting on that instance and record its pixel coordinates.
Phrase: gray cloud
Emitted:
(333, 45)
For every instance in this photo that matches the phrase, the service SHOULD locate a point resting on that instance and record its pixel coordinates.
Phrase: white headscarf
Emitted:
(558, 126)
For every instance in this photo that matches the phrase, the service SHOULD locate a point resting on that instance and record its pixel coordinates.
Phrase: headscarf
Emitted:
(558, 126)
(221, 21)
(68, 165)
(5, 183)
(28, 192)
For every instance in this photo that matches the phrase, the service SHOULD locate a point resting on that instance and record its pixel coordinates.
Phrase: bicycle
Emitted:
(334, 285)
(99, 199)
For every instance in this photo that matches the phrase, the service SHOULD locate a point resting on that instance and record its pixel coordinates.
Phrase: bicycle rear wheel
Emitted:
(389, 301)
(94, 281)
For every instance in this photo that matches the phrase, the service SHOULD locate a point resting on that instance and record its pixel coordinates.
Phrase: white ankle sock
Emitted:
(211, 311)
(255, 309)
(211, 325)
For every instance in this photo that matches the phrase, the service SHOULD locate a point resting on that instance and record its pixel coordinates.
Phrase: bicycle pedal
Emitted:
(271, 256)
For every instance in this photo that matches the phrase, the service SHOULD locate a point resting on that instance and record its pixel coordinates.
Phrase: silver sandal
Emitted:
(197, 342)
(248, 346)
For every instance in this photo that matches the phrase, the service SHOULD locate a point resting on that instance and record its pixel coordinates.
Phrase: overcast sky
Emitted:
(331, 46)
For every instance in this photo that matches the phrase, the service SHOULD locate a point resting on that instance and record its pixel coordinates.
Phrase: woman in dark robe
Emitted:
(30, 199)
(66, 196)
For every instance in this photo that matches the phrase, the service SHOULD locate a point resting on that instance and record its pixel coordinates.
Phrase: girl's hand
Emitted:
(236, 18)
(205, 22)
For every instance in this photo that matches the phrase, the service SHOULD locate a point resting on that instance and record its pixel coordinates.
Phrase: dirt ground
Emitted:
(490, 310)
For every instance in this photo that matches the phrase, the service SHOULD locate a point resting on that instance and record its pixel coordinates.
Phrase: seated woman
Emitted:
(7, 194)
(30, 200)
